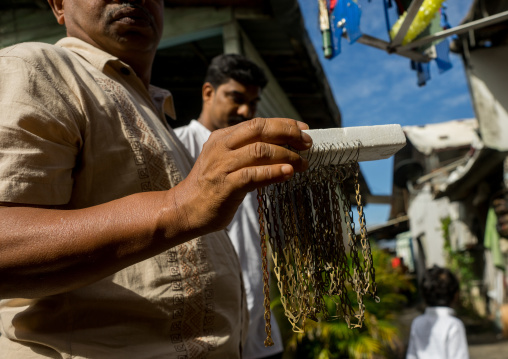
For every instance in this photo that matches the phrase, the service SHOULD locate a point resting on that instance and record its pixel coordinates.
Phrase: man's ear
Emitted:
(207, 92)
(58, 9)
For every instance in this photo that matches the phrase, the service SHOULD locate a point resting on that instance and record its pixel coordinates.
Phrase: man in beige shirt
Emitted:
(111, 243)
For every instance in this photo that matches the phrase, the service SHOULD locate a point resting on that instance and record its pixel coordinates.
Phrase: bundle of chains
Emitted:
(308, 222)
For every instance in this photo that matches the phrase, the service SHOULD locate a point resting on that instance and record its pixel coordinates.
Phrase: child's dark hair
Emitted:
(439, 287)
(237, 67)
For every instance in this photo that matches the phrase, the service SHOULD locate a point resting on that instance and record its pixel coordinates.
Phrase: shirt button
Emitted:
(125, 71)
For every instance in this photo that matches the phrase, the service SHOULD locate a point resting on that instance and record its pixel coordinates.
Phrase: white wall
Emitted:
(425, 214)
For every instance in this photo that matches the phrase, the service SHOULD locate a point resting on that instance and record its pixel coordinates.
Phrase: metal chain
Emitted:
(266, 274)
(304, 220)
(367, 255)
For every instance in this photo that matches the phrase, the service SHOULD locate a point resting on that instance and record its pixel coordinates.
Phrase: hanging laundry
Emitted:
(444, 17)
(438, 50)
(386, 5)
(442, 59)
(324, 25)
(400, 7)
(347, 15)
(422, 70)
(336, 32)
(425, 14)
(345, 20)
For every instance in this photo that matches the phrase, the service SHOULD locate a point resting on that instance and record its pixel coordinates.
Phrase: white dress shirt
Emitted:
(437, 334)
(244, 233)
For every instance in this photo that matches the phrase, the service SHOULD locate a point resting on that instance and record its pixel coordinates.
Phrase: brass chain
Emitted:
(367, 255)
(308, 222)
(266, 273)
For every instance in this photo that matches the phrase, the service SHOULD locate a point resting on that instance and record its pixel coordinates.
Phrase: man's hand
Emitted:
(237, 160)
(46, 251)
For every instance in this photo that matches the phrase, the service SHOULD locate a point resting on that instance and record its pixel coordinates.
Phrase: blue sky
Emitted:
(372, 87)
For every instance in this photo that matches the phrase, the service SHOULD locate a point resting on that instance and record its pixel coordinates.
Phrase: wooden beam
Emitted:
(385, 46)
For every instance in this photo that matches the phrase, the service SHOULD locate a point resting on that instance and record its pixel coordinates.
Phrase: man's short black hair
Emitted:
(237, 67)
(439, 287)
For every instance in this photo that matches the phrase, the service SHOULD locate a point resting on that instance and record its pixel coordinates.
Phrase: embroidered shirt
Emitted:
(78, 128)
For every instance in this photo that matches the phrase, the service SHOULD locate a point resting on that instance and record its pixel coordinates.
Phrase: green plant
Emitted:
(378, 336)
(461, 264)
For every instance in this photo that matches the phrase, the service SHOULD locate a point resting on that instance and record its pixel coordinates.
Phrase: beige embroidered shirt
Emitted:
(78, 128)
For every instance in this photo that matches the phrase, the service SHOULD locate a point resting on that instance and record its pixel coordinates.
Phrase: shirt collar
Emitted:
(164, 98)
(99, 58)
(95, 56)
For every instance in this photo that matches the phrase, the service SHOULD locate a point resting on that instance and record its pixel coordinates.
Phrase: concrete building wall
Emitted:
(488, 79)
(425, 215)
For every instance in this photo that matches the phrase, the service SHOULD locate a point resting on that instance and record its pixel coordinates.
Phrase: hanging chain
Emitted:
(266, 273)
(305, 221)
(367, 255)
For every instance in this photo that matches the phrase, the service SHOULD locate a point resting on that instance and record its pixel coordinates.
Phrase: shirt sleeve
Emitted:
(457, 342)
(40, 137)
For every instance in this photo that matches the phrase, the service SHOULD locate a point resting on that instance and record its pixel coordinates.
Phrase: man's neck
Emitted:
(141, 65)
(203, 119)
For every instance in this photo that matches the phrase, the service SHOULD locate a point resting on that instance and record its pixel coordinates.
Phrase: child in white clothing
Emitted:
(438, 334)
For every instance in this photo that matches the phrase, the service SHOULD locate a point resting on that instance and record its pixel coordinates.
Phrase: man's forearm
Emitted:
(46, 251)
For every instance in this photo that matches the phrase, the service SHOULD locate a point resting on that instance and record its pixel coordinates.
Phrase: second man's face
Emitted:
(232, 103)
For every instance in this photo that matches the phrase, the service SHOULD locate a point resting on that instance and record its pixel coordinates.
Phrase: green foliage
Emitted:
(461, 264)
(378, 336)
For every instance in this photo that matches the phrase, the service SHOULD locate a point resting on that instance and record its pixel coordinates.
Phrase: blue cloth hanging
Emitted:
(387, 4)
(345, 15)
(422, 70)
(442, 59)
(348, 13)
(336, 38)
(444, 17)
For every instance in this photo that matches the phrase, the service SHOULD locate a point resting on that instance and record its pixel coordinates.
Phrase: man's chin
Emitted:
(129, 43)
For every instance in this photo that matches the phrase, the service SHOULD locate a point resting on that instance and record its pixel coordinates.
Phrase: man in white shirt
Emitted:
(438, 334)
(230, 95)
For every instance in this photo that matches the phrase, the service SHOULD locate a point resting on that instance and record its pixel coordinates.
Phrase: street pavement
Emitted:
(487, 345)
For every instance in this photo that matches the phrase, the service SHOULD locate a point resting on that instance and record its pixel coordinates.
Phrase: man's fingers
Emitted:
(279, 131)
(260, 154)
(250, 178)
